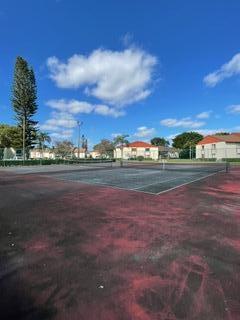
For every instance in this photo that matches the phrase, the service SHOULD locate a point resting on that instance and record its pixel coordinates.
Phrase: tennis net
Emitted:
(85, 164)
(174, 166)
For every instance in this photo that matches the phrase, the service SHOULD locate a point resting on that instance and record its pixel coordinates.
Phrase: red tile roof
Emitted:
(233, 137)
(139, 144)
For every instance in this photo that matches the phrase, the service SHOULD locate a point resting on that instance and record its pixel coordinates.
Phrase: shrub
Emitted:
(34, 162)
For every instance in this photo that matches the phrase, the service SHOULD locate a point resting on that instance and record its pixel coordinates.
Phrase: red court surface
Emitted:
(81, 252)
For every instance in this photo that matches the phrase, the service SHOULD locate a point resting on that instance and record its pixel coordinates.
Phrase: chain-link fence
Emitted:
(205, 153)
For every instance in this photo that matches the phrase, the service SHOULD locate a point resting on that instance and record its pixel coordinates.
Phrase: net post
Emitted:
(163, 164)
(227, 166)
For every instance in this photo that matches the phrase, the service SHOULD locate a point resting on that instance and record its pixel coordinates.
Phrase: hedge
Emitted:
(11, 163)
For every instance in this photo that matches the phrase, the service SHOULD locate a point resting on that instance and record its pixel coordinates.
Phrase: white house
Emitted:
(168, 152)
(81, 153)
(94, 154)
(219, 147)
(37, 153)
(136, 149)
(11, 154)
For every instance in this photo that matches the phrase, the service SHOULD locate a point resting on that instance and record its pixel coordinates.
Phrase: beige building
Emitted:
(82, 153)
(136, 149)
(168, 152)
(219, 147)
(46, 153)
(94, 154)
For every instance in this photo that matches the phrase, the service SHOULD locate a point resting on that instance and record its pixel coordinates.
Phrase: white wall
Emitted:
(129, 152)
(82, 155)
(38, 154)
(221, 151)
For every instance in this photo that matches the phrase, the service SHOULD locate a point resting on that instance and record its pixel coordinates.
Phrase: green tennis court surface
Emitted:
(149, 177)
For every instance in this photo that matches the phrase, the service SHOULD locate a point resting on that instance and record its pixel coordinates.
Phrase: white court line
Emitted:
(152, 184)
(136, 190)
(186, 183)
(101, 185)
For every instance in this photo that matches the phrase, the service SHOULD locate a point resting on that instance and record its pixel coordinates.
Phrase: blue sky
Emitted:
(143, 68)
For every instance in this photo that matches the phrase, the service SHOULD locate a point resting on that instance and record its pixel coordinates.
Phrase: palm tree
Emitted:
(121, 141)
(43, 137)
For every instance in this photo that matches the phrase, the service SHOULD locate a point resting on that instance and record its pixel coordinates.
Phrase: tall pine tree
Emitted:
(24, 101)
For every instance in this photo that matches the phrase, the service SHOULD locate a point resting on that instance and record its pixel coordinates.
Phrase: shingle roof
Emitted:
(140, 144)
(233, 138)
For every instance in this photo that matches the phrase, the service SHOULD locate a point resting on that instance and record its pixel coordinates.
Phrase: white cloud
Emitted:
(61, 135)
(59, 120)
(227, 70)
(184, 123)
(204, 115)
(72, 106)
(77, 107)
(143, 132)
(107, 111)
(60, 125)
(235, 109)
(116, 77)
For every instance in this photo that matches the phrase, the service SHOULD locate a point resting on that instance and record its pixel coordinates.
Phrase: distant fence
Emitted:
(232, 153)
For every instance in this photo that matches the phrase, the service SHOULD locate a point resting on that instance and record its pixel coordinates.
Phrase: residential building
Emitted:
(10, 154)
(166, 152)
(38, 153)
(81, 153)
(136, 149)
(94, 154)
(219, 147)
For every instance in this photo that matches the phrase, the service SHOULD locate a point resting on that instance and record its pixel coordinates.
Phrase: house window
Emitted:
(214, 146)
(134, 149)
(147, 149)
(202, 147)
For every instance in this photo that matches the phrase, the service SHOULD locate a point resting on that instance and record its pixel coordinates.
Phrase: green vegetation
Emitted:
(10, 163)
(63, 149)
(24, 97)
(157, 141)
(105, 148)
(120, 141)
(10, 136)
(186, 140)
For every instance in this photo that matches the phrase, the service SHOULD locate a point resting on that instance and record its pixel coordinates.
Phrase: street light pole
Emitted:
(79, 123)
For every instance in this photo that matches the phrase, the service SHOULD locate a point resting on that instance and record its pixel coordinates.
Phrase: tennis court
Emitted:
(153, 178)
(81, 242)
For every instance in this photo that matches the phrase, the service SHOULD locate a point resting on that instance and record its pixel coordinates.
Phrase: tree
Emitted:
(63, 149)
(42, 138)
(222, 134)
(10, 136)
(120, 141)
(105, 148)
(157, 141)
(186, 140)
(24, 97)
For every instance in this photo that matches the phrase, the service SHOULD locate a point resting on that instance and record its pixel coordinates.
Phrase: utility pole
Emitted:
(79, 123)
